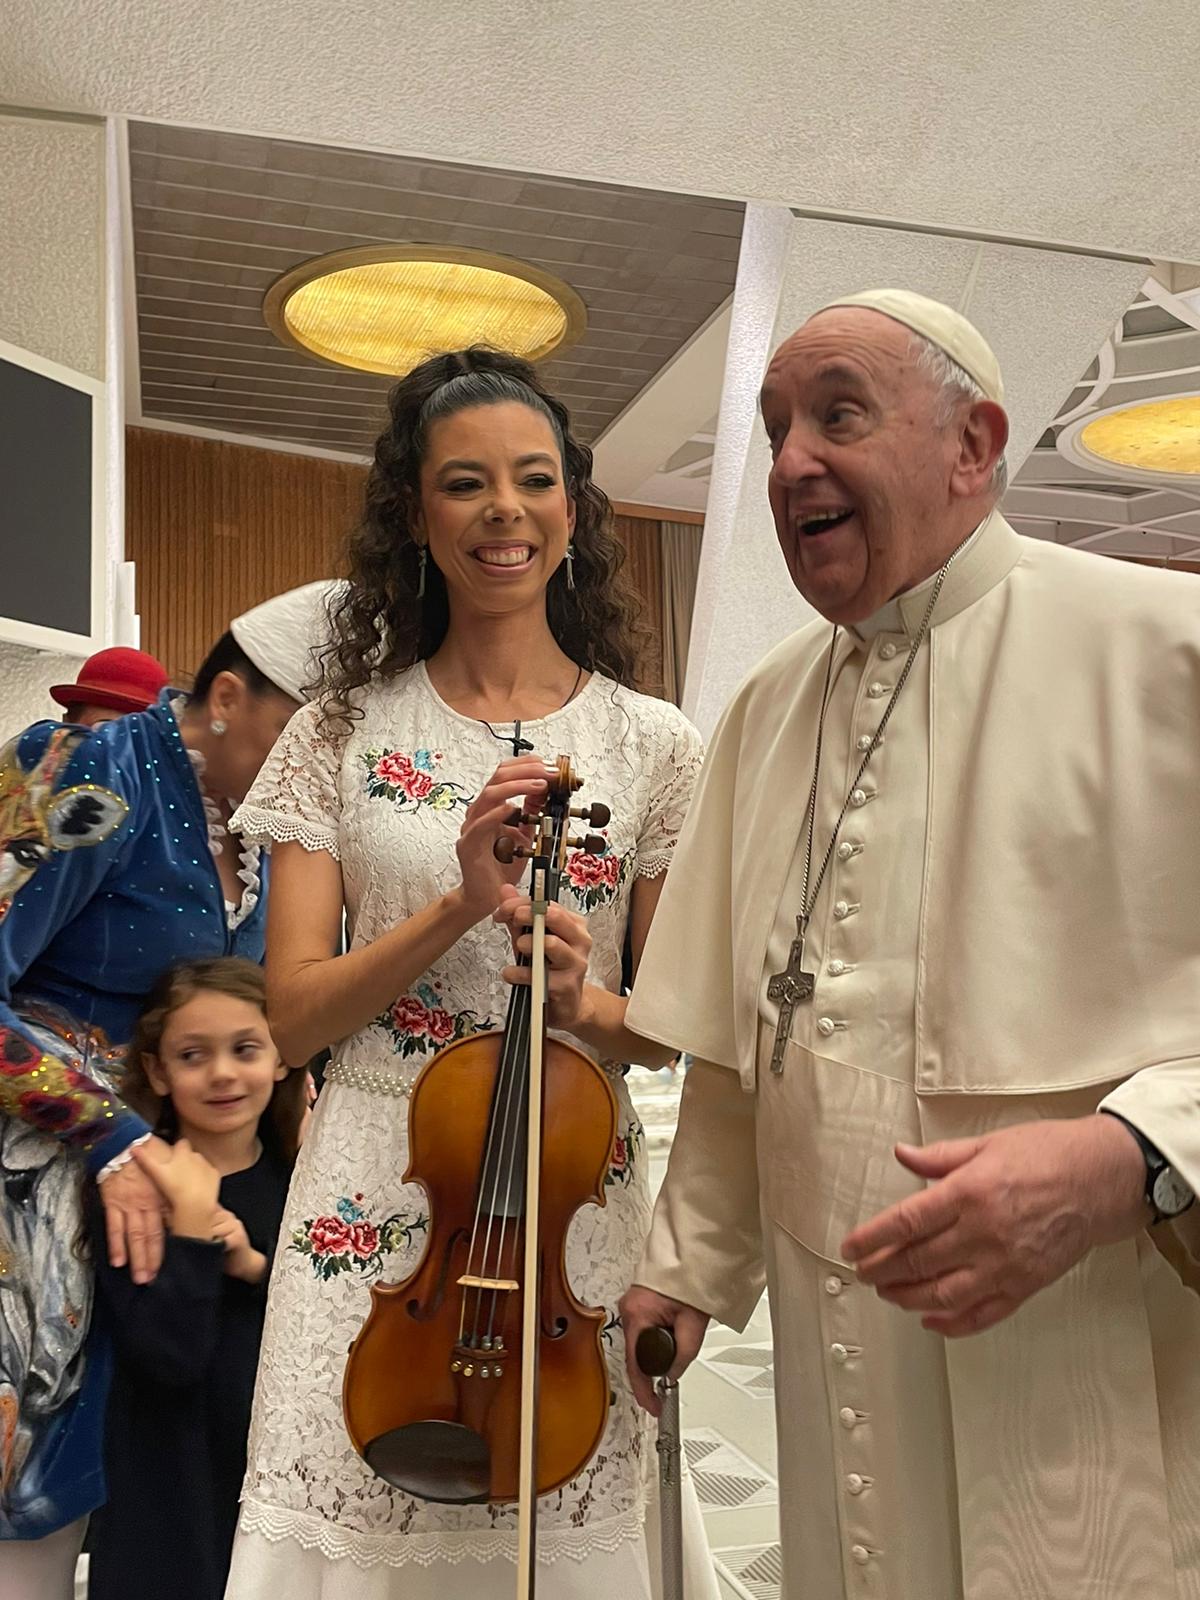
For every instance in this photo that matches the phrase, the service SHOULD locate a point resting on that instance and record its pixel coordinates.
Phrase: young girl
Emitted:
(204, 1071)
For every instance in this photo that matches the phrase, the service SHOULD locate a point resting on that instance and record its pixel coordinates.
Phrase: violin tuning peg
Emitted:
(507, 851)
(594, 845)
(596, 816)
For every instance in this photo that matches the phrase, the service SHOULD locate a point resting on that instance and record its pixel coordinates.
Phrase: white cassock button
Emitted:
(848, 1417)
(889, 651)
(858, 797)
(855, 1483)
(839, 1353)
(834, 1285)
(836, 968)
(863, 742)
(876, 691)
(845, 850)
(860, 1553)
(826, 1027)
(841, 909)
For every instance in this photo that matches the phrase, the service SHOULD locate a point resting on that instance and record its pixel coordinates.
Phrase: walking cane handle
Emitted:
(656, 1351)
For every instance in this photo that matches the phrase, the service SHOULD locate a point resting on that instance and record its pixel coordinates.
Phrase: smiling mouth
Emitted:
(822, 521)
(515, 555)
(230, 1100)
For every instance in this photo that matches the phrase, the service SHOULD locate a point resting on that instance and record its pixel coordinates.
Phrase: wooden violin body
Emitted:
(432, 1397)
(433, 1393)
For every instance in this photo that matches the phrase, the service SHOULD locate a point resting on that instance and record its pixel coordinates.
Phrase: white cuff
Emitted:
(123, 1160)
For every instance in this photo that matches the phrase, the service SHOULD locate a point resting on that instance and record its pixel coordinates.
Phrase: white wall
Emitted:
(52, 222)
(25, 678)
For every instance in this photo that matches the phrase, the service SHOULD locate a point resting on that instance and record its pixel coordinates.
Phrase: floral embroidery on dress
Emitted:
(410, 780)
(419, 1023)
(348, 1241)
(306, 1487)
(626, 1152)
(595, 880)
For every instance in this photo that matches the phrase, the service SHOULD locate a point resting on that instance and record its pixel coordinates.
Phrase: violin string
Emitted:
(514, 1142)
(513, 1114)
(494, 1158)
(476, 1266)
(507, 1159)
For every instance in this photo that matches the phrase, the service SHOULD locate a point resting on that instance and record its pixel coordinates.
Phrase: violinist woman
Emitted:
(485, 593)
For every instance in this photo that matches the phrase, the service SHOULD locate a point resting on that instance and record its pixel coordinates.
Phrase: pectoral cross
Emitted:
(790, 987)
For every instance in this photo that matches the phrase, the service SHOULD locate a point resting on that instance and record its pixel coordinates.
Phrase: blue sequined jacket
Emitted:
(106, 878)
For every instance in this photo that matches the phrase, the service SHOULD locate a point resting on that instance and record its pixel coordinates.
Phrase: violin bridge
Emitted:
(470, 1281)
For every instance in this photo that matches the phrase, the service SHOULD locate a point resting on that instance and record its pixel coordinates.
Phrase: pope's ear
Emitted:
(981, 442)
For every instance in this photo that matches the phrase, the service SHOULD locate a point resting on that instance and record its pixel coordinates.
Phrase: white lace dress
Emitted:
(387, 801)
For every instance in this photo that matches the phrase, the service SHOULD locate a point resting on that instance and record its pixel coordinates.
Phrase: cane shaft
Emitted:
(670, 1476)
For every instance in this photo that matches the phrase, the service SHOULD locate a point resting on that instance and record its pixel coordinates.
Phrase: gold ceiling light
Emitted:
(1159, 436)
(385, 309)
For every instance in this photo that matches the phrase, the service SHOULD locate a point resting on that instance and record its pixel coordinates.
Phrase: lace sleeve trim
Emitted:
(655, 864)
(261, 825)
(677, 781)
(275, 1524)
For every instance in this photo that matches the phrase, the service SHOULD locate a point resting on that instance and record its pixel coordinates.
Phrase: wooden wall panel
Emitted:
(214, 528)
(644, 568)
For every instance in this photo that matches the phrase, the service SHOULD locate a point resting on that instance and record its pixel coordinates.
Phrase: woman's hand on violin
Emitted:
(568, 946)
(521, 783)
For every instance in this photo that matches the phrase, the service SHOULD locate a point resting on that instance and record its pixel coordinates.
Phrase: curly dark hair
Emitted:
(381, 625)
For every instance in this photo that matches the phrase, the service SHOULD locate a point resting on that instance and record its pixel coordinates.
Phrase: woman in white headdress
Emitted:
(115, 861)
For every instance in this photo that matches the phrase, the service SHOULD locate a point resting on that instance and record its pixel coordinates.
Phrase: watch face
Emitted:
(1171, 1194)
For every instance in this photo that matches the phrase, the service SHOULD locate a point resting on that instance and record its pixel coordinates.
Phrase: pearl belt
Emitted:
(373, 1082)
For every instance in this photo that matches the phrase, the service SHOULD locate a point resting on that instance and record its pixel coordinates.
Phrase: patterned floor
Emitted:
(728, 1417)
(753, 1572)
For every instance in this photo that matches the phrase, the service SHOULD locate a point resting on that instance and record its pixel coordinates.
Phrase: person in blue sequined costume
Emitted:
(114, 863)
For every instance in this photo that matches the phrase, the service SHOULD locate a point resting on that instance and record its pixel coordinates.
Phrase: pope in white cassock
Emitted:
(933, 936)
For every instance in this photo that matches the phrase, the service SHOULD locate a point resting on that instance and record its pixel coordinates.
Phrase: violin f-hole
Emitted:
(424, 1313)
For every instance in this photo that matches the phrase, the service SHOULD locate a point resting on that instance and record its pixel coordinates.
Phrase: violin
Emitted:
(481, 1378)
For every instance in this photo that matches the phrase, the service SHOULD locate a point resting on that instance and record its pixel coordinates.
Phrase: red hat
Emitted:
(118, 679)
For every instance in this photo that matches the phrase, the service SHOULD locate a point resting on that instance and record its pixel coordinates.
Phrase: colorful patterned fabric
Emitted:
(106, 878)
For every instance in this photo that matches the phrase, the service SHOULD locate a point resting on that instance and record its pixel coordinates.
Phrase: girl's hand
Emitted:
(568, 946)
(242, 1260)
(521, 783)
(186, 1182)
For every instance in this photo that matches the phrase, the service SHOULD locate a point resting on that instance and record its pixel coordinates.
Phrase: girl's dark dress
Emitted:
(175, 1447)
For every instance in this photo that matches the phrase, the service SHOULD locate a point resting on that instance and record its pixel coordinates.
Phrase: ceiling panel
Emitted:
(217, 217)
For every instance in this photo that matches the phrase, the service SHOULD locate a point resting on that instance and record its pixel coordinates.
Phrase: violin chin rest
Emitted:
(445, 1462)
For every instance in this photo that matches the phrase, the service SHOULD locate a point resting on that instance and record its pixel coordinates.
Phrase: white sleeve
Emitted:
(678, 760)
(296, 796)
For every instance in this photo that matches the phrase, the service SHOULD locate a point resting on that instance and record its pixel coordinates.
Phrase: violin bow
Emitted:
(527, 1505)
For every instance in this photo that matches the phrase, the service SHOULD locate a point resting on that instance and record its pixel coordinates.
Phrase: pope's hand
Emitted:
(645, 1308)
(1004, 1215)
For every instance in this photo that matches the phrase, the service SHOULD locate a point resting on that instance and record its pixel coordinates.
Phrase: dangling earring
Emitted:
(570, 558)
(422, 559)
(218, 726)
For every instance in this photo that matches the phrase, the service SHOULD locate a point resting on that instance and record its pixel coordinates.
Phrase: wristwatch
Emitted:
(1167, 1193)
